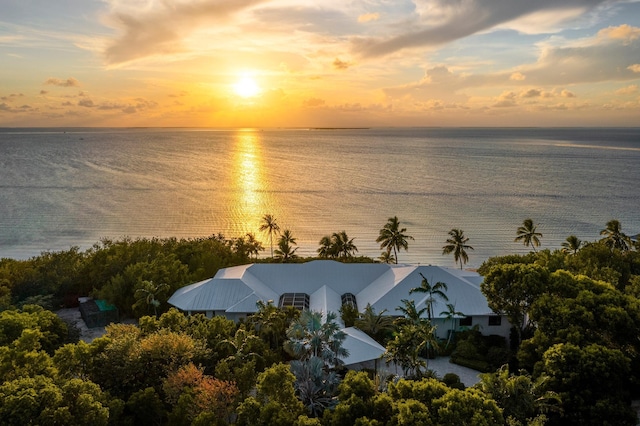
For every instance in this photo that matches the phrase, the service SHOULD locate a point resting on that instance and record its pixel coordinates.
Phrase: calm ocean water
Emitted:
(65, 188)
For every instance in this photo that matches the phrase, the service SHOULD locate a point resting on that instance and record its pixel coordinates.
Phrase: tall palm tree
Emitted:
(271, 227)
(614, 238)
(392, 237)
(572, 244)
(457, 245)
(528, 235)
(285, 250)
(436, 290)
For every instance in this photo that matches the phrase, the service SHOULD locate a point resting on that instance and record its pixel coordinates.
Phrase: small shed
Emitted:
(98, 313)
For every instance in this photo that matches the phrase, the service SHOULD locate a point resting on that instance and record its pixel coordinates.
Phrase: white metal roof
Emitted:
(237, 289)
(360, 346)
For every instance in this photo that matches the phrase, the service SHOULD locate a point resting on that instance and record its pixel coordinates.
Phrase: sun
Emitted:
(246, 87)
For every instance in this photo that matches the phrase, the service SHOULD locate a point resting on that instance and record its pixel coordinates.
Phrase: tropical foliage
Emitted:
(528, 234)
(457, 244)
(392, 237)
(337, 245)
(574, 357)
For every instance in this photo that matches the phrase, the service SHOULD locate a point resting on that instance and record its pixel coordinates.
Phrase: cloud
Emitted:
(517, 76)
(5, 107)
(444, 21)
(532, 93)
(368, 17)
(629, 90)
(88, 103)
(624, 32)
(634, 68)
(11, 97)
(44, 92)
(146, 31)
(70, 82)
(340, 65)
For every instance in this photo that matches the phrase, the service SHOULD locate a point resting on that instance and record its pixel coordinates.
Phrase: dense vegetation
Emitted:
(573, 357)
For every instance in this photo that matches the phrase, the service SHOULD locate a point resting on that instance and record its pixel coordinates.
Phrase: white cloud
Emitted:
(447, 20)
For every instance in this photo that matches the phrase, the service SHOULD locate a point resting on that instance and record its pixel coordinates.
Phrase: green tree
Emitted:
(614, 238)
(271, 227)
(317, 347)
(285, 250)
(275, 402)
(410, 341)
(457, 244)
(149, 294)
(572, 244)
(521, 397)
(434, 291)
(577, 374)
(392, 237)
(510, 289)
(528, 234)
(377, 325)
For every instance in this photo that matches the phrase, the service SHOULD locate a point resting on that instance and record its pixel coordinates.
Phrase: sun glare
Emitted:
(246, 87)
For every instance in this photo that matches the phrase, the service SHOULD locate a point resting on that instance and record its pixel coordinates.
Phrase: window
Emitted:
(495, 320)
(349, 299)
(466, 321)
(299, 301)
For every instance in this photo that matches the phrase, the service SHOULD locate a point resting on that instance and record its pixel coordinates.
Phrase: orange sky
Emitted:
(330, 63)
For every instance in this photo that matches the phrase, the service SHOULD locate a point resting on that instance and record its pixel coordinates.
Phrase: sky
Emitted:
(330, 63)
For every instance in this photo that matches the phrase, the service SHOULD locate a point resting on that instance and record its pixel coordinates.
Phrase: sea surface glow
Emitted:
(71, 187)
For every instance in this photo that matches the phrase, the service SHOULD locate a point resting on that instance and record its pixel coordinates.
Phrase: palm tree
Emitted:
(387, 257)
(253, 245)
(392, 237)
(376, 325)
(614, 238)
(149, 292)
(433, 291)
(457, 245)
(336, 245)
(285, 250)
(450, 315)
(270, 226)
(572, 244)
(344, 247)
(527, 234)
(326, 249)
(411, 313)
(317, 347)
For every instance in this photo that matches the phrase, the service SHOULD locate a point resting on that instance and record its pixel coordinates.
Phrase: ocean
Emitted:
(71, 187)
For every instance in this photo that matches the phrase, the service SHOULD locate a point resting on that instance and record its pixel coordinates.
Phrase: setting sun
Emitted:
(246, 87)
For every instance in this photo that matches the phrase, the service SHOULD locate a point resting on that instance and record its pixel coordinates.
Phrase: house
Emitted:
(326, 285)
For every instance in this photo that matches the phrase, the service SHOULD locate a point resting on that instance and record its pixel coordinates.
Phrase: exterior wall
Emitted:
(443, 327)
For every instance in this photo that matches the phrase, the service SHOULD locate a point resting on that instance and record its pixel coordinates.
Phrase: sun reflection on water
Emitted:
(248, 181)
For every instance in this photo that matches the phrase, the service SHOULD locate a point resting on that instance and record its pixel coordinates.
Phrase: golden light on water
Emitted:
(248, 180)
